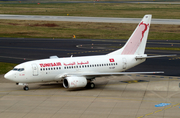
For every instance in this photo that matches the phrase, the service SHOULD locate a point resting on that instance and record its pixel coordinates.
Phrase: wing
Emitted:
(117, 73)
(105, 74)
(93, 74)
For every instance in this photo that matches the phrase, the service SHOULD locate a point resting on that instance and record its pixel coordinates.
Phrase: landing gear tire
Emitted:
(90, 85)
(26, 88)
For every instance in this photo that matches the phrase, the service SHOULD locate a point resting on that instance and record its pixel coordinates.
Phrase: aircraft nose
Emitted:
(9, 76)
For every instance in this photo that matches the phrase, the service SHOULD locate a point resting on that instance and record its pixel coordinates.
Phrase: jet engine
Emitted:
(74, 82)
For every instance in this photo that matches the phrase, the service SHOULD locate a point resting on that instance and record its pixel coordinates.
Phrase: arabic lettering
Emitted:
(73, 63)
(81, 63)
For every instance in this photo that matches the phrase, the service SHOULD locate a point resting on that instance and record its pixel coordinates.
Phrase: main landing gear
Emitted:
(90, 85)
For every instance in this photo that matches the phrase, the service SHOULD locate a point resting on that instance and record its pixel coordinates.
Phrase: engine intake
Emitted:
(74, 82)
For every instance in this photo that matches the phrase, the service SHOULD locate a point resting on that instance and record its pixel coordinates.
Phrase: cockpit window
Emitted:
(18, 69)
(15, 69)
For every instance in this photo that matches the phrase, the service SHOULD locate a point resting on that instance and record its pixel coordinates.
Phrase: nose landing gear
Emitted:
(26, 88)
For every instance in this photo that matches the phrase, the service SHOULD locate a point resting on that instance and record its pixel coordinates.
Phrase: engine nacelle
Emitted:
(74, 82)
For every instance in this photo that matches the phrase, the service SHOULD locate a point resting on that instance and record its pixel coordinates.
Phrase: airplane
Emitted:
(80, 71)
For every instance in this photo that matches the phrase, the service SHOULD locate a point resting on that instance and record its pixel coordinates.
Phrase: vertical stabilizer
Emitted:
(137, 42)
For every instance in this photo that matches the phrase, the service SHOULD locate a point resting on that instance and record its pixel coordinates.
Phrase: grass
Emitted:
(42, 1)
(5, 67)
(167, 11)
(52, 29)
(82, 30)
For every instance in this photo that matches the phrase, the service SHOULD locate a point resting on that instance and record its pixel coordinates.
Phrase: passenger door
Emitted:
(35, 69)
(124, 63)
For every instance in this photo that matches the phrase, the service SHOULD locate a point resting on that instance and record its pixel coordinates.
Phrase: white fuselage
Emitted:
(55, 69)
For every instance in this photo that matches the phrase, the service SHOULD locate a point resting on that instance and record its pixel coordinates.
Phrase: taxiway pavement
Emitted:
(132, 96)
(87, 19)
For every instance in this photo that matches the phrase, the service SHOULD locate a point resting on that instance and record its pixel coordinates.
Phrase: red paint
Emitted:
(50, 64)
(146, 26)
(65, 64)
(136, 39)
(111, 60)
(81, 63)
(73, 63)
(21, 74)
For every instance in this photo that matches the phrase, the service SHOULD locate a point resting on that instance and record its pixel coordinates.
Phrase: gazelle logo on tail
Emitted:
(135, 40)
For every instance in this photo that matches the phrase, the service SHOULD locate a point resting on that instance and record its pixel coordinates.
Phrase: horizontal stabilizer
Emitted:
(156, 56)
